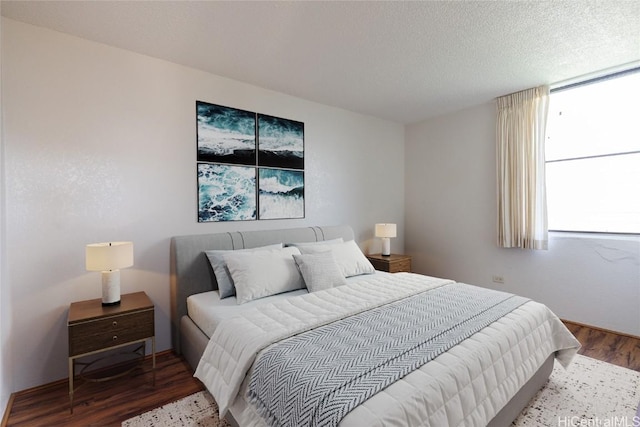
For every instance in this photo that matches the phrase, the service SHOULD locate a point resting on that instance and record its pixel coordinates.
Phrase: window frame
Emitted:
(560, 87)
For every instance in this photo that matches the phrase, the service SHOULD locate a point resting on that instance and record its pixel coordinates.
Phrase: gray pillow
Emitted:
(263, 273)
(226, 287)
(319, 271)
(350, 259)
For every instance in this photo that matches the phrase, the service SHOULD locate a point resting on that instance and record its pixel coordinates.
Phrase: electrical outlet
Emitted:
(498, 279)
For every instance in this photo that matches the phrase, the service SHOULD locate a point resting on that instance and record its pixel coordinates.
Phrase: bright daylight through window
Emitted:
(593, 156)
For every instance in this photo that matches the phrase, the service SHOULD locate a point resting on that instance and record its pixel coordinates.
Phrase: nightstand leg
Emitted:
(71, 373)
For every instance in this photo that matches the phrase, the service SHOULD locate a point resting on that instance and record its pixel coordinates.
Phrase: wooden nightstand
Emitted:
(94, 328)
(393, 263)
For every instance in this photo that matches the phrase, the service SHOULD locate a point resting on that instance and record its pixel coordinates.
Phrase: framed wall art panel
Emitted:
(280, 193)
(225, 135)
(226, 193)
(280, 142)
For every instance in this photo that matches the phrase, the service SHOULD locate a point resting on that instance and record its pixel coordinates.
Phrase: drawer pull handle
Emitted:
(115, 323)
(115, 337)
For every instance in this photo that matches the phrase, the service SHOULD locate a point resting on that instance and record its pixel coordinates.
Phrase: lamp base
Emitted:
(386, 246)
(109, 304)
(111, 287)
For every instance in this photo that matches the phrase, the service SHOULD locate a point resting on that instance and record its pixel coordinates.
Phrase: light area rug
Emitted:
(588, 393)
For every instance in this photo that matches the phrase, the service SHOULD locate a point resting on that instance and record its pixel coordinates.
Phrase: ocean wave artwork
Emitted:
(280, 142)
(225, 135)
(226, 193)
(281, 193)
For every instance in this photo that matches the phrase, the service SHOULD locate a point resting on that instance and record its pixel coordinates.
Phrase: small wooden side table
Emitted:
(393, 263)
(94, 328)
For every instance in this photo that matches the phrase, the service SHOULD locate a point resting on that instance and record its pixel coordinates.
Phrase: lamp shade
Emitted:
(385, 230)
(109, 256)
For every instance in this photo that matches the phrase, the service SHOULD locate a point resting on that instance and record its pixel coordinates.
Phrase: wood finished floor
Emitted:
(609, 347)
(106, 403)
(110, 403)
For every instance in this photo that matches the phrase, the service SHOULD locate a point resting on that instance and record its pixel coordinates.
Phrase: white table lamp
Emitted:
(386, 231)
(109, 258)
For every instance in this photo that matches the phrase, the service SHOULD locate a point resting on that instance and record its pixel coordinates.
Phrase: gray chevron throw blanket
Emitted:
(317, 377)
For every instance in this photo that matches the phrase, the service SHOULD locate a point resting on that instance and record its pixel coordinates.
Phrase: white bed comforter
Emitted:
(467, 385)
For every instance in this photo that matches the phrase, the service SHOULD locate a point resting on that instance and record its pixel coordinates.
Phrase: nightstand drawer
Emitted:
(401, 265)
(99, 334)
(379, 265)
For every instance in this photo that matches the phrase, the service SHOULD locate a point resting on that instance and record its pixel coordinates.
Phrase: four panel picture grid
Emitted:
(250, 165)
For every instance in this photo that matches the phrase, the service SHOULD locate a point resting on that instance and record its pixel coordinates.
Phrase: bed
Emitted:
(476, 385)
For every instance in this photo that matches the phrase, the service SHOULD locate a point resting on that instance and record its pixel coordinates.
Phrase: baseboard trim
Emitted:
(7, 411)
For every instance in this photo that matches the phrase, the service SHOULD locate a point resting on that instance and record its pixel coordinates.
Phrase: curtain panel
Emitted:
(522, 204)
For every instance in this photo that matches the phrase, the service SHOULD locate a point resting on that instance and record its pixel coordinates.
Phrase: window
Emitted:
(593, 155)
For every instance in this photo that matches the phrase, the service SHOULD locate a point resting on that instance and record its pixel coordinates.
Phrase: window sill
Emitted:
(629, 237)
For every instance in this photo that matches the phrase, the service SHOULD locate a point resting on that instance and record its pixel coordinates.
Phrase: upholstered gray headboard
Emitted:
(191, 272)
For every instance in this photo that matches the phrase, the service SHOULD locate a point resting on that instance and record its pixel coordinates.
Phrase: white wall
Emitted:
(5, 384)
(100, 145)
(451, 215)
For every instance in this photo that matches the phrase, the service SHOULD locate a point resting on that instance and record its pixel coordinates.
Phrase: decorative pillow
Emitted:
(319, 271)
(263, 273)
(348, 256)
(321, 242)
(225, 283)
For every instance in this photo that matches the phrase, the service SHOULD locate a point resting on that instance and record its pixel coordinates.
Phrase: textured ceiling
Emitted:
(403, 61)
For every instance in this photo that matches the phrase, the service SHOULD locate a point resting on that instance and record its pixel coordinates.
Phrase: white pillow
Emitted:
(263, 273)
(348, 256)
(321, 242)
(319, 271)
(216, 259)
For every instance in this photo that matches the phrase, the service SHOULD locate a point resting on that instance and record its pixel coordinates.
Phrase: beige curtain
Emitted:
(522, 205)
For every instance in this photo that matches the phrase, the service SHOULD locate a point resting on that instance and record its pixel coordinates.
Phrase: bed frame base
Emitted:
(194, 341)
(522, 398)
